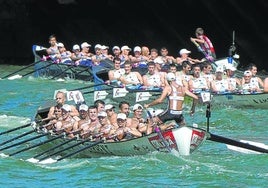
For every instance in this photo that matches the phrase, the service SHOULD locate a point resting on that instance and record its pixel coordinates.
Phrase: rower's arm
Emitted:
(190, 94)
(158, 100)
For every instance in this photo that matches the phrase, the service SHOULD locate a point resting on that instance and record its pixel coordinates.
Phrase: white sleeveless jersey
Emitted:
(221, 85)
(154, 80)
(232, 82)
(200, 83)
(132, 77)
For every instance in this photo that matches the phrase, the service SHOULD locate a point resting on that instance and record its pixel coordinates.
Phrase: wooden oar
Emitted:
(17, 128)
(31, 72)
(80, 150)
(21, 69)
(64, 149)
(62, 72)
(38, 144)
(53, 148)
(17, 137)
(24, 126)
(221, 139)
(86, 69)
(158, 131)
(24, 141)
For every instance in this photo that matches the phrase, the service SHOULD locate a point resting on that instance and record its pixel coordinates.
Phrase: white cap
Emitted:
(60, 44)
(219, 69)
(125, 48)
(184, 51)
(103, 47)
(66, 107)
(137, 49)
(158, 60)
(230, 67)
(76, 47)
(137, 106)
(102, 114)
(83, 107)
(109, 106)
(171, 76)
(247, 73)
(116, 47)
(121, 116)
(85, 44)
(98, 46)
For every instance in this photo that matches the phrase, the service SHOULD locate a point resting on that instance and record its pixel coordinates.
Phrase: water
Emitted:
(212, 165)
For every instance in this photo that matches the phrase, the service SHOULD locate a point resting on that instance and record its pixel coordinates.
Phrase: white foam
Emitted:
(32, 160)
(48, 161)
(17, 76)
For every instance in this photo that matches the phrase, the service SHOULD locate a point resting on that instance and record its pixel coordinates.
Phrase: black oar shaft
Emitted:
(62, 72)
(55, 147)
(80, 150)
(17, 137)
(17, 128)
(24, 141)
(64, 149)
(36, 145)
(20, 69)
(220, 139)
(50, 64)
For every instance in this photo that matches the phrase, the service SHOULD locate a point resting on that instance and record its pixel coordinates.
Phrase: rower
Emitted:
(133, 78)
(67, 121)
(124, 132)
(175, 94)
(60, 101)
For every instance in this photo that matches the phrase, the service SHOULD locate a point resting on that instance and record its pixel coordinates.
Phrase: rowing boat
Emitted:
(250, 100)
(46, 67)
(184, 140)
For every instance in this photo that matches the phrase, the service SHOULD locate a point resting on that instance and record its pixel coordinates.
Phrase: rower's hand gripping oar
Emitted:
(158, 131)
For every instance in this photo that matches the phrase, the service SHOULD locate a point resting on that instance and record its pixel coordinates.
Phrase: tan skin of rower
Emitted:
(175, 102)
(60, 101)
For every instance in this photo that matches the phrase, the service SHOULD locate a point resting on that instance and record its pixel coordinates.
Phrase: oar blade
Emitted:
(247, 151)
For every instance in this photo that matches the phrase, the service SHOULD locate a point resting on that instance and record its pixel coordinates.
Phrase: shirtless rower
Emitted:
(60, 101)
(175, 94)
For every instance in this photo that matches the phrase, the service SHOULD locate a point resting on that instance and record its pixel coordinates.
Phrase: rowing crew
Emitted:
(96, 123)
